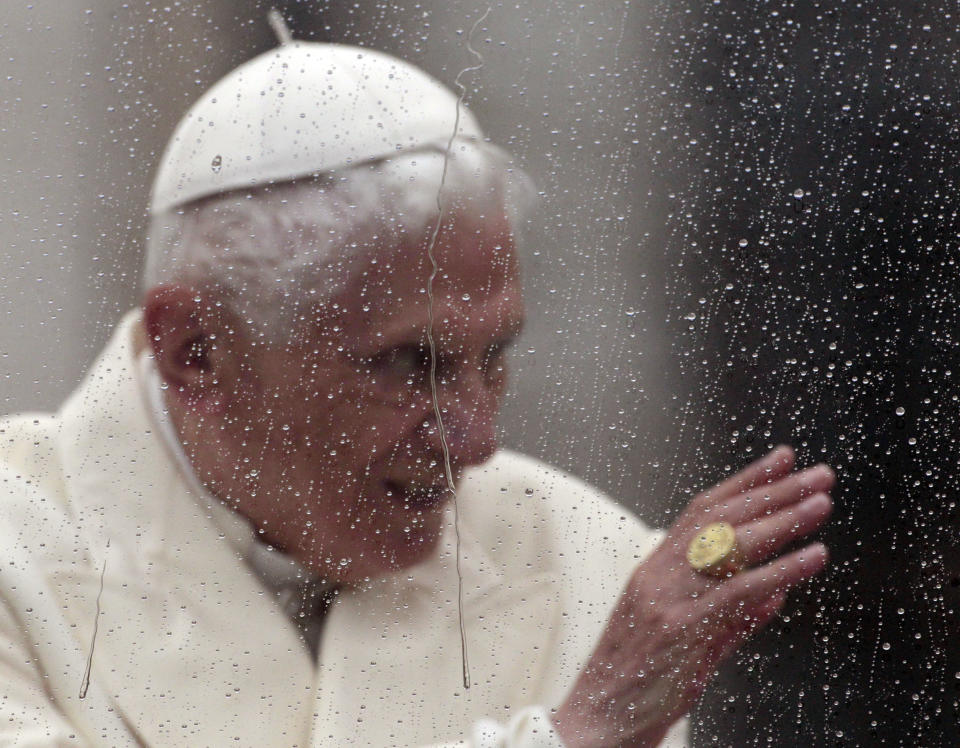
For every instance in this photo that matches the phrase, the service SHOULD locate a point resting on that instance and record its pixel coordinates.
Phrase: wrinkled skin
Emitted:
(673, 626)
(328, 443)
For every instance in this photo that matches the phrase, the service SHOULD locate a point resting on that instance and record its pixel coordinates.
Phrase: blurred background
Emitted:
(747, 235)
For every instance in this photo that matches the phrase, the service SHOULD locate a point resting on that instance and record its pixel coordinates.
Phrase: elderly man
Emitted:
(274, 513)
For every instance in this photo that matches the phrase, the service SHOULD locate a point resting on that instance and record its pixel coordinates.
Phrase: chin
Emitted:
(414, 551)
(400, 553)
(386, 542)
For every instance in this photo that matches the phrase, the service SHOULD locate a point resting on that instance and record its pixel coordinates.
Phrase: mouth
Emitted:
(417, 495)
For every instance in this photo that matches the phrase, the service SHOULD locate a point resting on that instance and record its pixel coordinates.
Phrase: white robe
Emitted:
(192, 650)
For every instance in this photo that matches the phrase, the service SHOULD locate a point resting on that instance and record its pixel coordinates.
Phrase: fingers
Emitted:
(773, 497)
(767, 610)
(739, 630)
(757, 585)
(774, 465)
(758, 539)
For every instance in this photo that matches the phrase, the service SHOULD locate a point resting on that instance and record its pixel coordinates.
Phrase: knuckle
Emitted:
(702, 499)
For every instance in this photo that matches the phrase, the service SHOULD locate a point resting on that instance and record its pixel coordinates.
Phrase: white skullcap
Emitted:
(300, 109)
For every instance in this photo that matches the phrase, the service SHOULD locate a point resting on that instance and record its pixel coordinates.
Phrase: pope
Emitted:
(275, 513)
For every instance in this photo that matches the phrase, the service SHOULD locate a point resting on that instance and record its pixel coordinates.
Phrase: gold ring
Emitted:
(714, 551)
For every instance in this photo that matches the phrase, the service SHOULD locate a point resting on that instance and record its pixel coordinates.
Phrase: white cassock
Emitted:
(192, 649)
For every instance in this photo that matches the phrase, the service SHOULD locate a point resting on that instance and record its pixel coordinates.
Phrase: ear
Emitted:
(191, 340)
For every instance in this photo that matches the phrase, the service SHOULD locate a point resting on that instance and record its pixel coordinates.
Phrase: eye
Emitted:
(409, 362)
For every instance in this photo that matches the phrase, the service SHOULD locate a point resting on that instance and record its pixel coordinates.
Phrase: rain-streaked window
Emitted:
(735, 228)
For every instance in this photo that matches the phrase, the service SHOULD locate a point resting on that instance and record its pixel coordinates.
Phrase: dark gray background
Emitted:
(688, 309)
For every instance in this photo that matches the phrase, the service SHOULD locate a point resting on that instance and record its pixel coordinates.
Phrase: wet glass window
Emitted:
(734, 227)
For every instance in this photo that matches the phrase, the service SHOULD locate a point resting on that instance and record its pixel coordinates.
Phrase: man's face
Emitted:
(342, 463)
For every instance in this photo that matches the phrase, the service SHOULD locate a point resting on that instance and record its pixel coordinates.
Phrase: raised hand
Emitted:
(673, 625)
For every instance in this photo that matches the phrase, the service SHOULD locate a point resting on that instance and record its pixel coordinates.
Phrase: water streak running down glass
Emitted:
(85, 682)
(448, 471)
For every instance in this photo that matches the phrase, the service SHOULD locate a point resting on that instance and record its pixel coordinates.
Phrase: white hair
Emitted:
(267, 250)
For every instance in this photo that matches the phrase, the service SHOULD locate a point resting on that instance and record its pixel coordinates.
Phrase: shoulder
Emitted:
(29, 449)
(547, 518)
(34, 515)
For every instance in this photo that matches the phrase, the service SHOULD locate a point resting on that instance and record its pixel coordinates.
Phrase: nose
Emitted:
(469, 410)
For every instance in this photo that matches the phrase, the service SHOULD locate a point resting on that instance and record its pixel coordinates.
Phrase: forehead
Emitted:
(477, 274)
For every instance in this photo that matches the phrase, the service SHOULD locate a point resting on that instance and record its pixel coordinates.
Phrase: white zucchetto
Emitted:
(300, 109)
